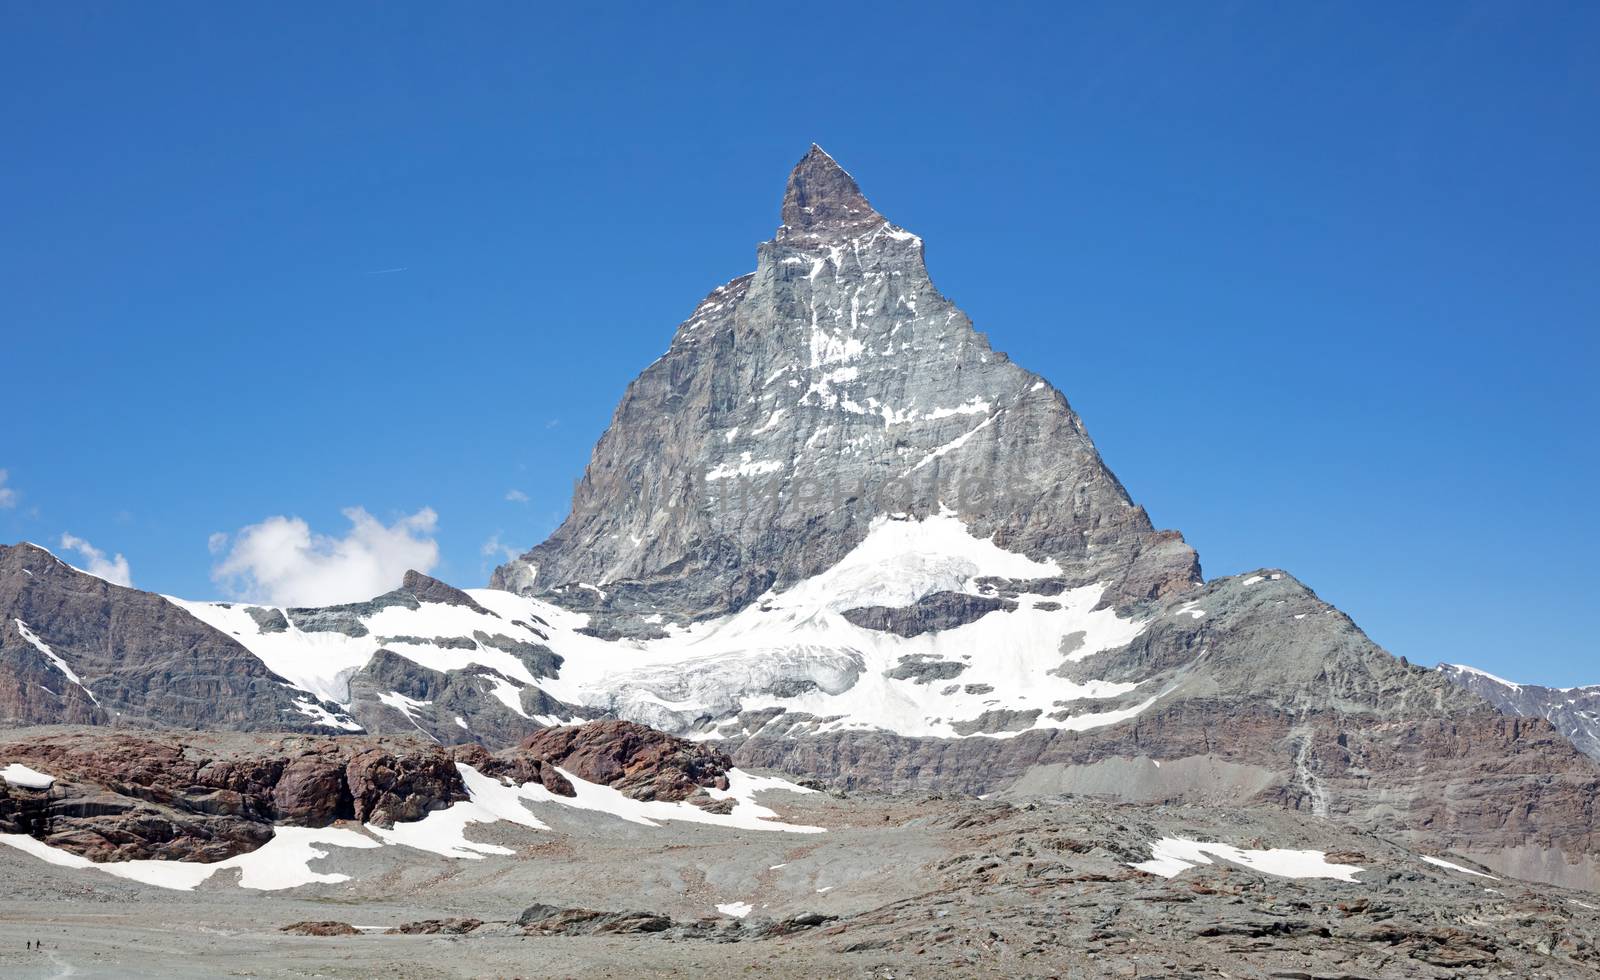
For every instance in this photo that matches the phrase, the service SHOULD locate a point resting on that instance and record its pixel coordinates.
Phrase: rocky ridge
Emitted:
(1573, 711)
(77, 649)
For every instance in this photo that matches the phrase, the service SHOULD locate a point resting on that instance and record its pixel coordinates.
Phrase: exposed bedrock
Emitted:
(939, 611)
(1480, 783)
(76, 649)
(641, 762)
(208, 797)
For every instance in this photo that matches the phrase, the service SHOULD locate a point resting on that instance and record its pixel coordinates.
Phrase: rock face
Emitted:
(200, 797)
(799, 403)
(431, 700)
(77, 649)
(208, 797)
(640, 762)
(1573, 711)
(423, 658)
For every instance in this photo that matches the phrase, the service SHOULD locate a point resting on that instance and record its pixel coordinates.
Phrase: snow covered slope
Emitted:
(797, 651)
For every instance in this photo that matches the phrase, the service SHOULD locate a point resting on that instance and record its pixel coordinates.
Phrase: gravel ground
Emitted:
(911, 888)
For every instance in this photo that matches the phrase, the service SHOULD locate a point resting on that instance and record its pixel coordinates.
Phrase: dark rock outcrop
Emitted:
(435, 927)
(549, 920)
(931, 613)
(426, 588)
(201, 797)
(438, 698)
(925, 669)
(640, 762)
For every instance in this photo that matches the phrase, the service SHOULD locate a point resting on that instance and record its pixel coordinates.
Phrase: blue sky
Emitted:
(1321, 278)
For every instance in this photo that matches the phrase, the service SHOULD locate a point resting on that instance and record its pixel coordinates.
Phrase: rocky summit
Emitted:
(801, 403)
(853, 649)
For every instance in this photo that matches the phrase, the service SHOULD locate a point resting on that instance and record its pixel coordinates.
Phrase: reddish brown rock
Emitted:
(515, 765)
(640, 762)
(321, 928)
(387, 786)
(434, 927)
(210, 796)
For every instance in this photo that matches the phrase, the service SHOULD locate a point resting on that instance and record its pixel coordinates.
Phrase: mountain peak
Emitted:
(798, 405)
(822, 198)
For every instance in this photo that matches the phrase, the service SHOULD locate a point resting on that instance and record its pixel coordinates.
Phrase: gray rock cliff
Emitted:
(797, 403)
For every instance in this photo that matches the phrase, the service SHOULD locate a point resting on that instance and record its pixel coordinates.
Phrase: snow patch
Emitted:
(1463, 668)
(744, 468)
(443, 831)
(505, 692)
(1452, 866)
(954, 444)
(17, 774)
(61, 665)
(282, 862)
(746, 815)
(1174, 855)
(976, 406)
(323, 716)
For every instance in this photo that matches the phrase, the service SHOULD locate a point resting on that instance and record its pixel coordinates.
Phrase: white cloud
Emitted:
(281, 562)
(495, 548)
(516, 496)
(113, 570)
(8, 496)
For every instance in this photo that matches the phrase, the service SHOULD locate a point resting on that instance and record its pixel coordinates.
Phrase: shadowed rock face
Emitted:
(931, 613)
(137, 658)
(832, 385)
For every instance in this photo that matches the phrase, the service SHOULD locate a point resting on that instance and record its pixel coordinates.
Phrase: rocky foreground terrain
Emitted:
(906, 885)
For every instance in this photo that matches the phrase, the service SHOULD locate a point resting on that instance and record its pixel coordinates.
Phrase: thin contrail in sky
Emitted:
(384, 272)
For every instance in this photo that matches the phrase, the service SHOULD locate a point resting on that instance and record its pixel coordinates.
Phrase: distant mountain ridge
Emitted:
(1573, 711)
